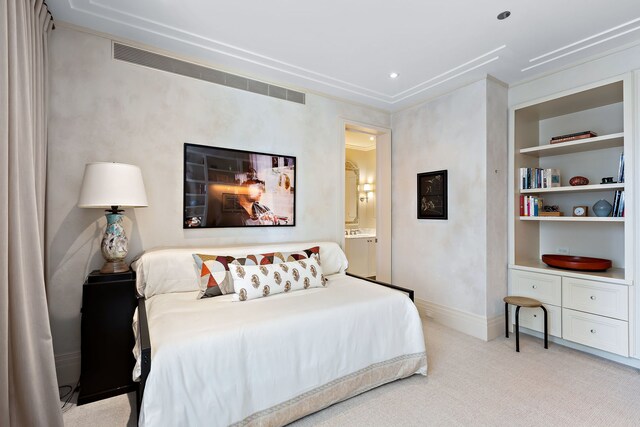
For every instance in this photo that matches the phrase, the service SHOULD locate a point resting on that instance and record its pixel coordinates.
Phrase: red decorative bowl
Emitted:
(578, 180)
(581, 263)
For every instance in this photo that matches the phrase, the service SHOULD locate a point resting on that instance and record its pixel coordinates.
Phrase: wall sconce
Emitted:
(368, 192)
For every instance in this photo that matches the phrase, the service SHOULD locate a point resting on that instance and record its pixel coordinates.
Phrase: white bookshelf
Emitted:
(578, 146)
(607, 109)
(575, 189)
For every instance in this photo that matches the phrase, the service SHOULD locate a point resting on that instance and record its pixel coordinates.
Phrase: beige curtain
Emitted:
(28, 386)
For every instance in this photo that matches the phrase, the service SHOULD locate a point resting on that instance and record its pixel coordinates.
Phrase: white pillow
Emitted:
(166, 270)
(257, 281)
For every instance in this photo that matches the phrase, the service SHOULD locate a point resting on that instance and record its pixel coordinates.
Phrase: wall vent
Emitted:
(165, 63)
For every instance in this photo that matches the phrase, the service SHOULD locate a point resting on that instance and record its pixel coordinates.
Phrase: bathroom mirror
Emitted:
(351, 182)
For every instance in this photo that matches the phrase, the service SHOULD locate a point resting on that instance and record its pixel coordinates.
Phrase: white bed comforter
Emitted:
(220, 362)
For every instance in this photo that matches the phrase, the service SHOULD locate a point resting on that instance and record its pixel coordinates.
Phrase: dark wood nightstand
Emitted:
(108, 303)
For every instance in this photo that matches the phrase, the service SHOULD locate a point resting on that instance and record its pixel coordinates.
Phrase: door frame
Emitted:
(382, 188)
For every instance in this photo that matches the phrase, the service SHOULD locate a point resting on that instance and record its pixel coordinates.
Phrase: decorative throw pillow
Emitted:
(259, 281)
(214, 274)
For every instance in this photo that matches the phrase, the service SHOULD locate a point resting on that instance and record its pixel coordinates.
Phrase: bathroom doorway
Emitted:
(367, 201)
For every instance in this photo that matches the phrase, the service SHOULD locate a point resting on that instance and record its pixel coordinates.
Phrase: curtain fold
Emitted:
(28, 385)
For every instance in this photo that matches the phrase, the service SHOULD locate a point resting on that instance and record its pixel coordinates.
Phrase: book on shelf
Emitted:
(621, 168)
(573, 136)
(530, 205)
(618, 204)
(533, 178)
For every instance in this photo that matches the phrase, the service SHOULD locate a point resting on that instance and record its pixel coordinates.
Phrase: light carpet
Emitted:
(470, 383)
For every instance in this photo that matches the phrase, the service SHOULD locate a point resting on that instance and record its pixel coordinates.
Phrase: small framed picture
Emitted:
(432, 195)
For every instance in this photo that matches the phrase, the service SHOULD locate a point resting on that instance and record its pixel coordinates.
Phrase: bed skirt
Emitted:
(338, 390)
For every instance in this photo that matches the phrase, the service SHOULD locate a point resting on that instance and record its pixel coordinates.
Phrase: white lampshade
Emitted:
(112, 184)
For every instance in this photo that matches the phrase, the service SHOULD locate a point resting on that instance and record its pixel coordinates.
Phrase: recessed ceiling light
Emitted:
(504, 15)
(371, 138)
(394, 75)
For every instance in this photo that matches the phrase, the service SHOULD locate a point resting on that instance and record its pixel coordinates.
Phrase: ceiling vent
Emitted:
(166, 63)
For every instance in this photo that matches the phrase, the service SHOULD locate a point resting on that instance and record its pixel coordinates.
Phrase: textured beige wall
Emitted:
(106, 110)
(497, 187)
(446, 262)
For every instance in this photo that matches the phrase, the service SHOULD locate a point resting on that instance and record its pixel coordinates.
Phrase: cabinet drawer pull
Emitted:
(534, 287)
(592, 297)
(593, 331)
(535, 315)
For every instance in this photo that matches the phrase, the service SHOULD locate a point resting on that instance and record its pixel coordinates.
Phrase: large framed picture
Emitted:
(432, 195)
(224, 187)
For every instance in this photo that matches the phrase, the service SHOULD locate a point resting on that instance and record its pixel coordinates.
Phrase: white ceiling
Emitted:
(358, 140)
(347, 48)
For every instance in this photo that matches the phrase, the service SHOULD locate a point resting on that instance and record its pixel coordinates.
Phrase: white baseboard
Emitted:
(465, 322)
(68, 368)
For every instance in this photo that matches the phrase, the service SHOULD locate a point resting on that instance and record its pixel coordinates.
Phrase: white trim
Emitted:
(590, 350)
(68, 368)
(468, 323)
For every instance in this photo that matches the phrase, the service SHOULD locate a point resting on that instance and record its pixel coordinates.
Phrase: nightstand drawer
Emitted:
(546, 288)
(533, 318)
(596, 331)
(604, 299)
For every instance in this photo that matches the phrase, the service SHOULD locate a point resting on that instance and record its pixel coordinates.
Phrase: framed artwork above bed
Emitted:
(224, 187)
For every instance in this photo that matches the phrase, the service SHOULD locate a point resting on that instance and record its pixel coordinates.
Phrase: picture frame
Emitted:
(432, 200)
(225, 187)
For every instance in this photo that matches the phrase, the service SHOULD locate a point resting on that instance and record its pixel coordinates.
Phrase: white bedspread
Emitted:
(218, 362)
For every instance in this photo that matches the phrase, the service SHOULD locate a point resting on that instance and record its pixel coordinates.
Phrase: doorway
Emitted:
(367, 201)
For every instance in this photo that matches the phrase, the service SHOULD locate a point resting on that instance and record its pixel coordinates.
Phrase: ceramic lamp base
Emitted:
(114, 245)
(114, 267)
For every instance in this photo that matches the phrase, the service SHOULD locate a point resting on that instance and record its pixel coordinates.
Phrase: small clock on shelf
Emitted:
(580, 210)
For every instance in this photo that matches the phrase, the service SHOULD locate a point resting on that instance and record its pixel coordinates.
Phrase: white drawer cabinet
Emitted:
(607, 334)
(605, 299)
(533, 318)
(546, 288)
(361, 253)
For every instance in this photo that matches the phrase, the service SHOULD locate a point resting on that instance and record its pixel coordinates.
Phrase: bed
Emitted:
(266, 361)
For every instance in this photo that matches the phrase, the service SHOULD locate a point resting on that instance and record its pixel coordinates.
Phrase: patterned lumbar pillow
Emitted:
(259, 281)
(214, 274)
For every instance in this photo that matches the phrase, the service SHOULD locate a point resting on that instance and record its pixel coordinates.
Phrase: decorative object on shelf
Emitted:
(578, 180)
(237, 188)
(113, 185)
(432, 195)
(602, 208)
(581, 263)
(573, 136)
(580, 210)
(607, 180)
(553, 210)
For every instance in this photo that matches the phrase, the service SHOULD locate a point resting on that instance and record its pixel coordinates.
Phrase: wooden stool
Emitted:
(523, 302)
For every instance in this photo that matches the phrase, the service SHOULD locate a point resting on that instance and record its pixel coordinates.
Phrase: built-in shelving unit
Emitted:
(572, 218)
(575, 189)
(579, 146)
(576, 300)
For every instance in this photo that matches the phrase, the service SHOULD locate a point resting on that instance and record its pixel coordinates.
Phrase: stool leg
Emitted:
(546, 334)
(506, 319)
(518, 329)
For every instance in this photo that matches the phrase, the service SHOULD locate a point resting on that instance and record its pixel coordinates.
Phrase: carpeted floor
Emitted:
(470, 383)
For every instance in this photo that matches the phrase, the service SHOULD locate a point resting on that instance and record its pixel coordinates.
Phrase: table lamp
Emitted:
(110, 186)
